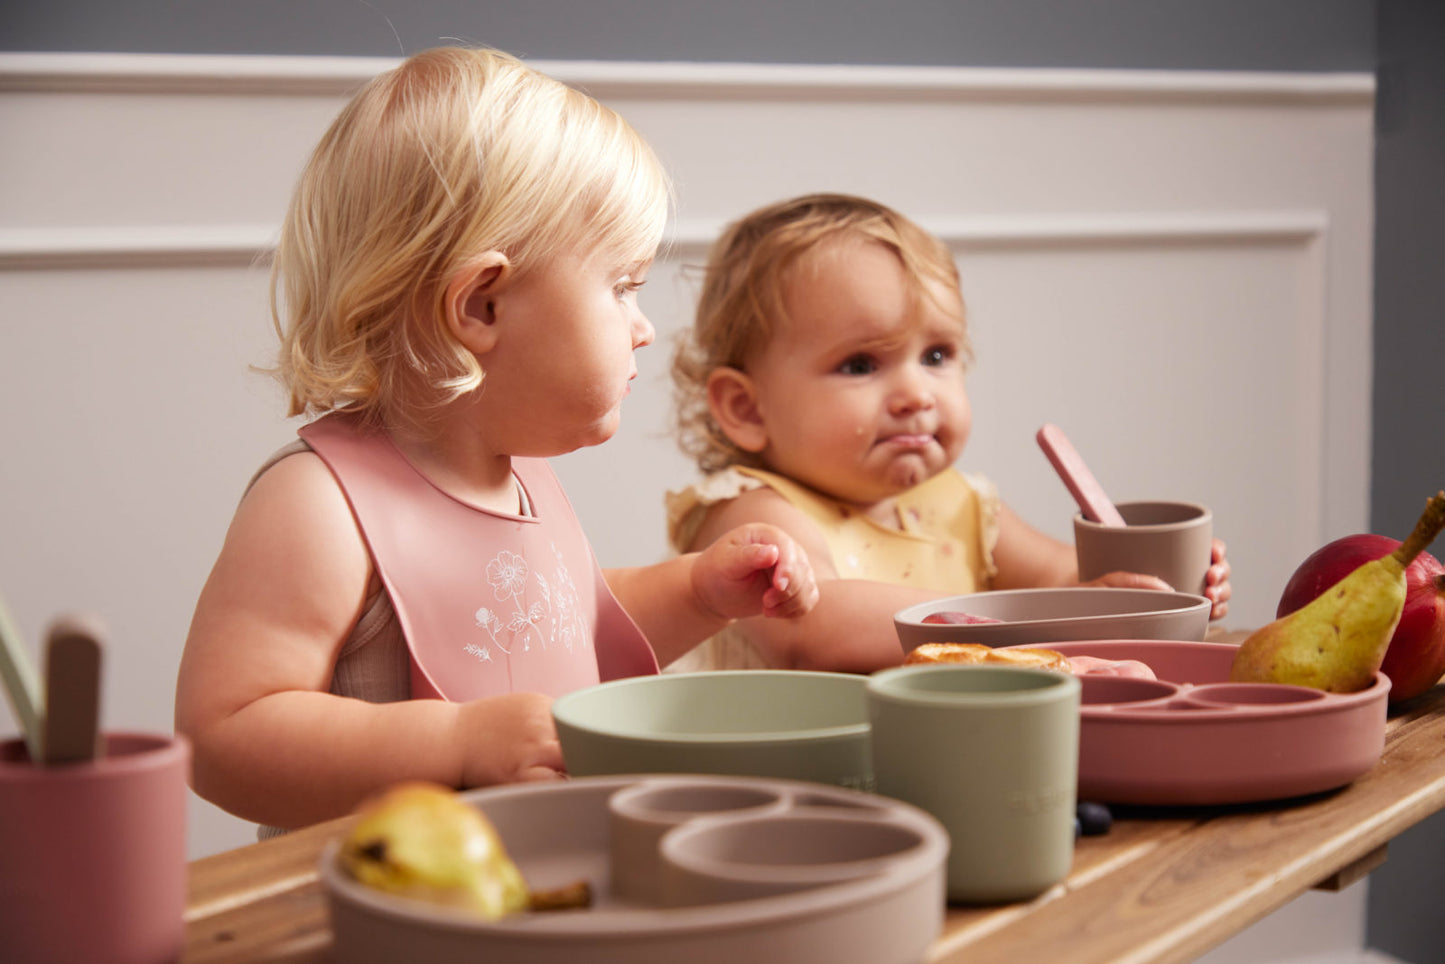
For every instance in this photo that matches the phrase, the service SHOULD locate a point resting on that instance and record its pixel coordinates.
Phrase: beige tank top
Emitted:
(373, 663)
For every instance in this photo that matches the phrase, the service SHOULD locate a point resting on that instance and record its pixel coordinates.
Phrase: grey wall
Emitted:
(1408, 457)
(1408, 462)
(1406, 38)
(1175, 34)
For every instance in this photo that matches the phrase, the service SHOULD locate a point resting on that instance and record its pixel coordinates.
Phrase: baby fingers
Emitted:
(799, 600)
(795, 589)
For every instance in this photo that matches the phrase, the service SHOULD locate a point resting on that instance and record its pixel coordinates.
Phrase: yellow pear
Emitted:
(1337, 642)
(421, 840)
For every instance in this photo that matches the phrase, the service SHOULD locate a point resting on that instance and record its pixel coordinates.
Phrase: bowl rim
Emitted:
(892, 685)
(1202, 513)
(564, 711)
(1206, 712)
(912, 616)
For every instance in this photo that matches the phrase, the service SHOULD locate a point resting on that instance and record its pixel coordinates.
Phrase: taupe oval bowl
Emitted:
(1058, 615)
(765, 723)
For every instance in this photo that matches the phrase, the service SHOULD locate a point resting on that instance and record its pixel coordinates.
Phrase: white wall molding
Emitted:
(280, 75)
(1055, 230)
(238, 245)
(135, 246)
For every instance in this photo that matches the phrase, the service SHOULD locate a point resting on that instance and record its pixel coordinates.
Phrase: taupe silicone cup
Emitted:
(992, 752)
(1170, 540)
(94, 853)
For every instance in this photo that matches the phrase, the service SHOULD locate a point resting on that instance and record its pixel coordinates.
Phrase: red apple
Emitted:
(1415, 660)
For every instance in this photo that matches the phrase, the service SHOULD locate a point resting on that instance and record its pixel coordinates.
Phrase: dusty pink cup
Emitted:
(93, 855)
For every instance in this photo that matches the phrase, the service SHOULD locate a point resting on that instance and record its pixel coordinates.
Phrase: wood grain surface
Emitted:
(1162, 886)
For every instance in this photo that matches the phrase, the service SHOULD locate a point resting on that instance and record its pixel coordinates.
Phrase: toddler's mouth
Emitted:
(910, 440)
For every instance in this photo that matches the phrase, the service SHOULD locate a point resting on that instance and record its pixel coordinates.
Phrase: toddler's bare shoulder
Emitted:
(298, 496)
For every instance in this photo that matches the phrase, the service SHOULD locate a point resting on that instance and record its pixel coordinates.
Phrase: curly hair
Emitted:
(742, 298)
(455, 152)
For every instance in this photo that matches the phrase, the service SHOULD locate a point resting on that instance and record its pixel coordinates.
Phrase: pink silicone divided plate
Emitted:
(1191, 737)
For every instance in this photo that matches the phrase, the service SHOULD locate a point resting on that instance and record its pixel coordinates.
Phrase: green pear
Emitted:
(1337, 642)
(421, 840)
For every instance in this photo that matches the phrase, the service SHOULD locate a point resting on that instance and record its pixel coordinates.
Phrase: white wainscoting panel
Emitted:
(1175, 267)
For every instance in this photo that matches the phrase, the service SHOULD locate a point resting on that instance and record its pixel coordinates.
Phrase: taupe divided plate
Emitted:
(1191, 737)
(693, 869)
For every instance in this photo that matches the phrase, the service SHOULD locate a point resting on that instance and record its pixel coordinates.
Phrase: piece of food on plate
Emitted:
(1098, 666)
(1031, 657)
(421, 840)
(978, 653)
(949, 617)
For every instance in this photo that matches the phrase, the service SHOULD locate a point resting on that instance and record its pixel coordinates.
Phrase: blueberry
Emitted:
(1092, 818)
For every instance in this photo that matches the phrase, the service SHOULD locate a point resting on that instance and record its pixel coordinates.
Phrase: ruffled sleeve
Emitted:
(688, 507)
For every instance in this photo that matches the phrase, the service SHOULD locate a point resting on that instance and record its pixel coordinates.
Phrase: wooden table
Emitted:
(1163, 885)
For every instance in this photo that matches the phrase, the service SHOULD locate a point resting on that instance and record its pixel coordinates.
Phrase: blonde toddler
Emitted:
(822, 391)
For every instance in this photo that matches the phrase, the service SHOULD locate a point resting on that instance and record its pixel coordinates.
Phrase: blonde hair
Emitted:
(454, 153)
(741, 305)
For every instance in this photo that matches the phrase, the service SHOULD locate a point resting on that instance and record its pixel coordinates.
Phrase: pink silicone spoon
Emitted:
(1076, 475)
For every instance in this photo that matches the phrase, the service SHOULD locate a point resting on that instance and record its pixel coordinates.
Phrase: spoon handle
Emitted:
(21, 685)
(1086, 489)
(72, 698)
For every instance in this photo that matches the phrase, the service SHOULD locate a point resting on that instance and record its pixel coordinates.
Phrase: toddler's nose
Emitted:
(911, 393)
(642, 331)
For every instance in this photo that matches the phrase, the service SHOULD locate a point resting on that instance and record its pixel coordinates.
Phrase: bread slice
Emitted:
(978, 653)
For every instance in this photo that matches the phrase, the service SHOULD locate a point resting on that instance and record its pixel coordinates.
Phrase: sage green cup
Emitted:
(993, 753)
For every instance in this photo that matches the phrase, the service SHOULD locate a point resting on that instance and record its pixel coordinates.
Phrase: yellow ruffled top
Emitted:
(947, 528)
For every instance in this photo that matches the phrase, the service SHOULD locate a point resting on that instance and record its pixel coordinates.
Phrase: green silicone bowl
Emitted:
(765, 723)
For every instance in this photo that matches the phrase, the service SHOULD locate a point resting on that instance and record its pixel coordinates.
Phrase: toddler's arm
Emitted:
(752, 570)
(270, 743)
(851, 627)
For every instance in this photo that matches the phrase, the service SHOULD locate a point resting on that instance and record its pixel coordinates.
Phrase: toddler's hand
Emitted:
(753, 569)
(508, 739)
(1216, 581)
(1129, 580)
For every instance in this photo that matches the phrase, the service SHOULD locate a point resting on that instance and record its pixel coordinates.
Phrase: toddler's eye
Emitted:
(857, 365)
(626, 287)
(938, 355)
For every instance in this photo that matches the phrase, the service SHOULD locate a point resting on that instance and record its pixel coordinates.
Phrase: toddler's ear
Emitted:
(469, 304)
(734, 405)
